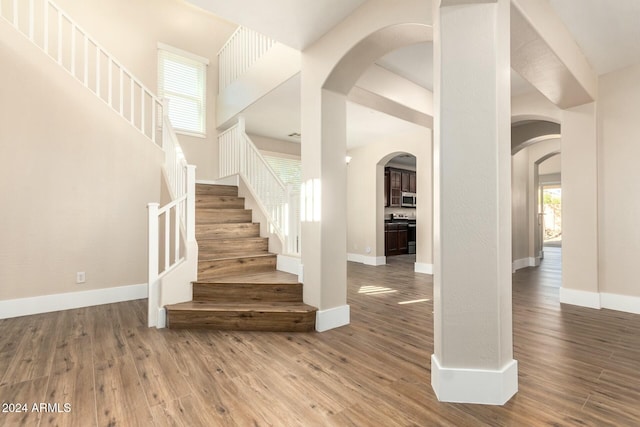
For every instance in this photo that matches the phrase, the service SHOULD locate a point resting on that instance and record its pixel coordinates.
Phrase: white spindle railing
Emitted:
(171, 227)
(238, 155)
(239, 53)
(51, 29)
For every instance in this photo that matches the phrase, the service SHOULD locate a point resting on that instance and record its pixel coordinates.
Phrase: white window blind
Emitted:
(288, 170)
(182, 80)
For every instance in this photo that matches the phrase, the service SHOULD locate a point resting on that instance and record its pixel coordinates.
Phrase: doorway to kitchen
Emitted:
(400, 203)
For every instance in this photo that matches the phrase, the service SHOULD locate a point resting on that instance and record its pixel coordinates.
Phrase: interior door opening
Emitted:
(552, 215)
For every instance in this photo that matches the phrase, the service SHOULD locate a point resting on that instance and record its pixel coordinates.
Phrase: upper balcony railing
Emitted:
(239, 53)
(60, 37)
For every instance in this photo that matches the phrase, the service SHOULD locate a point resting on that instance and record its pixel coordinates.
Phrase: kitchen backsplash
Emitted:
(411, 213)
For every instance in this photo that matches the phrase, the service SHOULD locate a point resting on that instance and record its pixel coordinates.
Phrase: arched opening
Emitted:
(534, 141)
(324, 147)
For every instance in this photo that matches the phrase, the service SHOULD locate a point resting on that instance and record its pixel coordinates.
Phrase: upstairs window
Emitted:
(182, 79)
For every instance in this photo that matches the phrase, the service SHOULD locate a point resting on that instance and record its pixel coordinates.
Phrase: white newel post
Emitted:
(191, 203)
(152, 273)
(473, 351)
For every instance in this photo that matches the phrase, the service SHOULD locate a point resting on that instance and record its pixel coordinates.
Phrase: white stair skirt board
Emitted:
(367, 260)
(162, 318)
(229, 180)
(474, 385)
(580, 298)
(67, 301)
(332, 318)
(420, 267)
(289, 264)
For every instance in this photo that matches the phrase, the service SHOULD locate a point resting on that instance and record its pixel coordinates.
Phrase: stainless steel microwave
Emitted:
(408, 200)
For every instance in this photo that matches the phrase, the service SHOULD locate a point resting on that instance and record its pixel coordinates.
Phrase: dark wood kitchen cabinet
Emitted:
(396, 182)
(395, 188)
(405, 181)
(386, 188)
(396, 239)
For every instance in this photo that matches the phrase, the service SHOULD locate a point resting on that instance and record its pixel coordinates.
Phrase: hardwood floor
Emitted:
(577, 366)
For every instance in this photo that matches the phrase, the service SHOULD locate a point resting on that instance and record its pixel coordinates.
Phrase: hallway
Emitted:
(577, 366)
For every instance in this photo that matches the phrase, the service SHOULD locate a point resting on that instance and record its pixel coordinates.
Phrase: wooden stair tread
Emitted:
(271, 278)
(259, 307)
(223, 257)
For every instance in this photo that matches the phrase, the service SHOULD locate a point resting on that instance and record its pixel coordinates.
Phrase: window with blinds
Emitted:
(182, 79)
(288, 170)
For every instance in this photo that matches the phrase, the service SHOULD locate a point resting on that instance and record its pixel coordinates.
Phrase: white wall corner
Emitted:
(289, 264)
(332, 318)
(619, 302)
(67, 301)
(421, 267)
(580, 298)
(478, 386)
(367, 260)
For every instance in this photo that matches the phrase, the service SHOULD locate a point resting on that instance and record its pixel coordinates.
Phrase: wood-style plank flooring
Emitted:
(577, 366)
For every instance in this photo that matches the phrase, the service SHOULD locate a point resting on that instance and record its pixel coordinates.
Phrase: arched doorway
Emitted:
(323, 152)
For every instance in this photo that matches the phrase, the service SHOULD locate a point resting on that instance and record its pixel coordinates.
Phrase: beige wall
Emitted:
(270, 145)
(619, 181)
(580, 199)
(520, 205)
(74, 184)
(131, 30)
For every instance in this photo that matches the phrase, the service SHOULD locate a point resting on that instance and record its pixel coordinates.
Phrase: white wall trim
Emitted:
(580, 298)
(367, 260)
(597, 300)
(474, 385)
(523, 263)
(332, 318)
(420, 267)
(227, 180)
(619, 302)
(56, 302)
(289, 264)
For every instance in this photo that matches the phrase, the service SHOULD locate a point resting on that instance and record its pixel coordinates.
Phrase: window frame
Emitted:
(167, 52)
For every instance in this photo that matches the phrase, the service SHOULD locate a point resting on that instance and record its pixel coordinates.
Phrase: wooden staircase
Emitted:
(238, 286)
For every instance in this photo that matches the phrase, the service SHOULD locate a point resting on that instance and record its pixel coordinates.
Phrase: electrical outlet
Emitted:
(80, 277)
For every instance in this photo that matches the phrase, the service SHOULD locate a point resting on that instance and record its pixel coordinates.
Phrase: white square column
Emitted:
(473, 340)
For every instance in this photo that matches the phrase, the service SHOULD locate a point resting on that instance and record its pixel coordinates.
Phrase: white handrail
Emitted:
(91, 64)
(239, 53)
(238, 155)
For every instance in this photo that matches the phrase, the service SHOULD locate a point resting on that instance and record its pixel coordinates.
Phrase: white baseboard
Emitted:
(332, 318)
(367, 260)
(289, 264)
(523, 263)
(619, 302)
(420, 267)
(474, 385)
(580, 298)
(56, 302)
